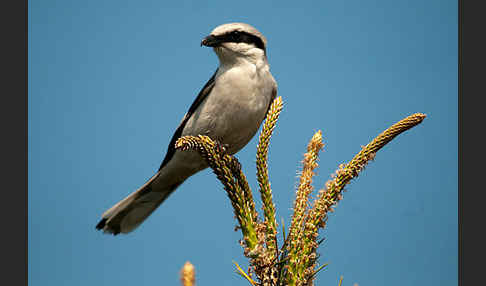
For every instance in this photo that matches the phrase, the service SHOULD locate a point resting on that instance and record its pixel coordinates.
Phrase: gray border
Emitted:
(13, 120)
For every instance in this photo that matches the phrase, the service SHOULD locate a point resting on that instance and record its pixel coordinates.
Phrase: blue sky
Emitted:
(109, 82)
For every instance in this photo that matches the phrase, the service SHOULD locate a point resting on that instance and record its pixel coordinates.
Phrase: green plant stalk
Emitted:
(329, 196)
(240, 177)
(262, 173)
(296, 233)
(317, 216)
(213, 154)
(297, 267)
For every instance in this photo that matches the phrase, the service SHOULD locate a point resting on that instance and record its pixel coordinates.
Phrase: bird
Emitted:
(229, 109)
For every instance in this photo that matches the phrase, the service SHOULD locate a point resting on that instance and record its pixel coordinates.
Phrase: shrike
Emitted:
(229, 108)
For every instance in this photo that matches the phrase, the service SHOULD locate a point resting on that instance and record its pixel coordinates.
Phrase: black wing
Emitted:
(274, 95)
(200, 97)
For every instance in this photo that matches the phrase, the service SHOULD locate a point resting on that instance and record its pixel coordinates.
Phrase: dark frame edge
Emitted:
(459, 143)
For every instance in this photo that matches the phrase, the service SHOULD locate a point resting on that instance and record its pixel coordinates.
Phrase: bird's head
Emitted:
(236, 40)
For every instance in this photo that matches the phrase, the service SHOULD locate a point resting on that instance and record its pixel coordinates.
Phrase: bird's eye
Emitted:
(235, 35)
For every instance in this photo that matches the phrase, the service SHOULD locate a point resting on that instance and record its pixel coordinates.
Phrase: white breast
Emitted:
(236, 106)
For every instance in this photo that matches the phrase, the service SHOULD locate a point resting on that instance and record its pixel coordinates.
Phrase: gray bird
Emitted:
(230, 108)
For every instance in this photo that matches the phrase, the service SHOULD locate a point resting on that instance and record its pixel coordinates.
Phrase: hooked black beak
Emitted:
(210, 41)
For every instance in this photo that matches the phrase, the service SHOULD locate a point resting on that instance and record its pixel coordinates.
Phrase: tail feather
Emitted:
(130, 212)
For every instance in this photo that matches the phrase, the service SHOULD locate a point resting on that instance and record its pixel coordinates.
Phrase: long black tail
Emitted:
(130, 212)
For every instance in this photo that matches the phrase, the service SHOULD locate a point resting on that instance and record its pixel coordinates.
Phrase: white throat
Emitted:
(230, 54)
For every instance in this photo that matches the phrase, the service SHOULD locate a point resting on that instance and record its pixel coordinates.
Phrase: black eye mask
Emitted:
(242, 37)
